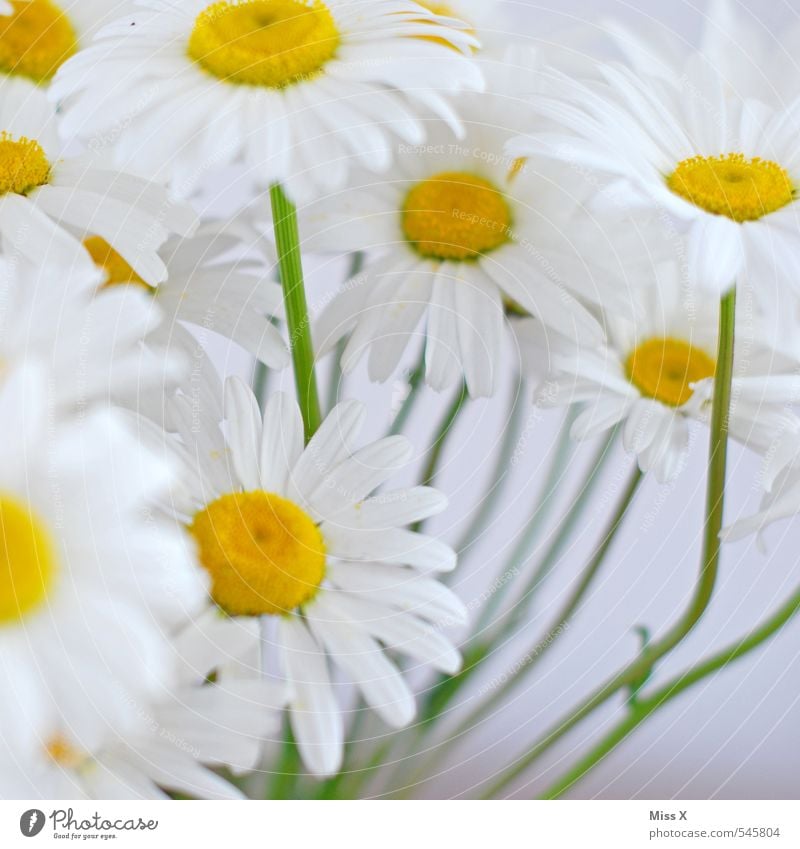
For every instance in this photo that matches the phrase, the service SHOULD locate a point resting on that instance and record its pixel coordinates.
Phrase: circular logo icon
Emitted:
(31, 822)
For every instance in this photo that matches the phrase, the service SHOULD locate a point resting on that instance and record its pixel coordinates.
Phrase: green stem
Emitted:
(560, 622)
(638, 670)
(260, 382)
(336, 378)
(443, 432)
(648, 706)
(482, 517)
(415, 380)
(562, 535)
(287, 239)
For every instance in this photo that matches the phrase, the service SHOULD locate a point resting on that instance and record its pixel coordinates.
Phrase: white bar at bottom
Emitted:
(404, 825)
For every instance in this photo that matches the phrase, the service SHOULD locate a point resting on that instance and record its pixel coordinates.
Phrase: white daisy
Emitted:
(291, 534)
(295, 99)
(752, 59)
(781, 499)
(172, 744)
(208, 288)
(91, 348)
(655, 375)
(49, 203)
(91, 582)
(728, 168)
(38, 36)
(458, 234)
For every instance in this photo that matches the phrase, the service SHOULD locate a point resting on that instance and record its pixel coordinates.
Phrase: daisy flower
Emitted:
(655, 375)
(735, 41)
(38, 36)
(781, 501)
(172, 744)
(295, 89)
(206, 288)
(293, 535)
(457, 235)
(91, 348)
(91, 583)
(49, 203)
(725, 167)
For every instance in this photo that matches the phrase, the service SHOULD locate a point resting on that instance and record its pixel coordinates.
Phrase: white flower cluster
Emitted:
(180, 562)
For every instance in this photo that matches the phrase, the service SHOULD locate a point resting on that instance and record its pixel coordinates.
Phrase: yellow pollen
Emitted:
(28, 562)
(456, 216)
(35, 39)
(265, 555)
(271, 43)
(446, 11)
(64, 753)
(118, 271)
(666, 369)
(730, 185)
(23, 165)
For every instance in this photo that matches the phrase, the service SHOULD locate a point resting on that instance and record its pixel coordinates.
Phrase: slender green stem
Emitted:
(260, 382)
(336, 377)
(638, 670)
(443, 433)
(282, 782)
(561, 537)
(287, 238)
(644, 708)
(482, 517)
(560, 622)
(415, 381)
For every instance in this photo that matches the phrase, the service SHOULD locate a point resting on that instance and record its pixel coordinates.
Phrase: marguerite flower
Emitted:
(173, 743)
(91, 583)
(209, 288)
(727, 167)
(38, 36)
(91, 348)
(292, 534)
(458, 234)
(656, 373)
(781, 499)
(295, 89)
(752, 59)
(49, 203)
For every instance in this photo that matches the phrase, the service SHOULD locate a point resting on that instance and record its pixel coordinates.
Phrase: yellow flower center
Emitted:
(118, 271)
(271, 43)
(265, 555)
(64, 753)
(456, 216)
(35, 39)
(23, 165)
(730, 185)
(28, 562)
(666, 369)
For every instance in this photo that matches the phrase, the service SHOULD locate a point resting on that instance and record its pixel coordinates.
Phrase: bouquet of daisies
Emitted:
(229, 566)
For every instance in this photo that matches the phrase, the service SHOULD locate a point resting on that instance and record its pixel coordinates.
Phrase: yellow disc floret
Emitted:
(731, 185)
(23, 165)
(666, 369)
(271, 43)
(27, 560)
(456, 216)
(265, 555)
(60, 750)
(35, 39)
(117, 269)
